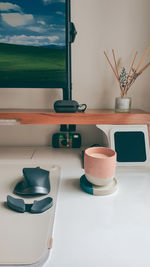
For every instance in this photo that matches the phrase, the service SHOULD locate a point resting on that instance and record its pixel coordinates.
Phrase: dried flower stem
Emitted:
(115, 62)
(132, 63)
(125, 79)
(138, 65)
(144, 68)
(117, 70)
(112, 69)
(142, 58)
(140, 72)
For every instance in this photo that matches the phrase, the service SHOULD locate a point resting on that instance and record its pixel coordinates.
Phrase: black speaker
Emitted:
(68, 106)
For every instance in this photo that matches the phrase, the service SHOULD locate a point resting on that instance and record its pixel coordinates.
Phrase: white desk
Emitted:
(97, 231)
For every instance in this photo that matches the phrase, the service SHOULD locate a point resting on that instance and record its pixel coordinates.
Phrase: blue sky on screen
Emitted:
(32, 22)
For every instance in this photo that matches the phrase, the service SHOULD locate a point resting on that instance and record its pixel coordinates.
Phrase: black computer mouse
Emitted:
(35, 182)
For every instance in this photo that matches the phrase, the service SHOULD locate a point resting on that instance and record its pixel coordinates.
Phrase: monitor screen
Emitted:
(33, 43)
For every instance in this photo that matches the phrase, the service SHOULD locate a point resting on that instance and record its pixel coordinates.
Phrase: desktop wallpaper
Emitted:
(32, 42)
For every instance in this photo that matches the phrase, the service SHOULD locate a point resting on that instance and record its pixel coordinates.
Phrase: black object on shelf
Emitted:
(66, 140)
(67, 137)
(68, 106)
(68, 128)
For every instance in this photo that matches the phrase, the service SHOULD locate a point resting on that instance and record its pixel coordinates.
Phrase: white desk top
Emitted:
(98, 231)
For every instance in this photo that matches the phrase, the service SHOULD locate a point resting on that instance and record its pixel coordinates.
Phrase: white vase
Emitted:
(123, 104)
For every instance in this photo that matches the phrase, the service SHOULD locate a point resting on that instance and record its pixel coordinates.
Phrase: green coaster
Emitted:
(91, 189)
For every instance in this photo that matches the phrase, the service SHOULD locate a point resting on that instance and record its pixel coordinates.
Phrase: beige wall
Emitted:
(101, 25)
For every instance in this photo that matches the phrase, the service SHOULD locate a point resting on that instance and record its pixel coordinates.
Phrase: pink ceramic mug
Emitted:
(100, 165)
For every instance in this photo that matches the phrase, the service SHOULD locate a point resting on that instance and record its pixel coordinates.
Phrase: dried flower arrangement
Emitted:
(126, 79)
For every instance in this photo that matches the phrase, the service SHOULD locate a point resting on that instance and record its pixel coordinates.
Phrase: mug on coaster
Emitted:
(100, 165)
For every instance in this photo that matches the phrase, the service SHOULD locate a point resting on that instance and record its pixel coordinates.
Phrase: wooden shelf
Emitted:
(91, 116)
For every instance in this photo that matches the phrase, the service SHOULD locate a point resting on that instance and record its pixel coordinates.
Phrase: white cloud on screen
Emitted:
(29, 40)
(47, 1)
(42, 22)
(8, 6)
(16, 19)
(53, 38)
(59, 13)
(52, 1)
(35, 29)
